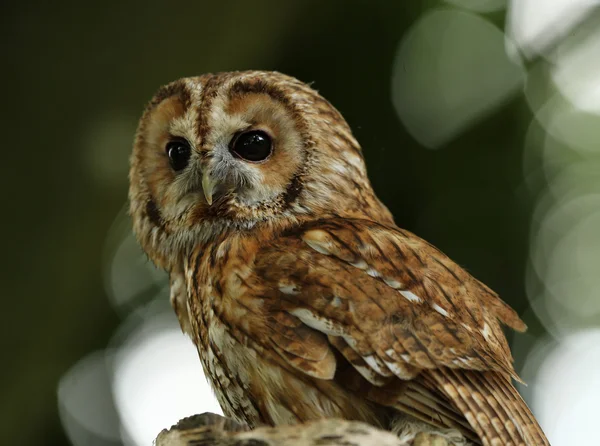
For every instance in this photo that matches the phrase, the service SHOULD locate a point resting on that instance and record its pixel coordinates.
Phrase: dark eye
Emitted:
(253, 145)
(179, 152)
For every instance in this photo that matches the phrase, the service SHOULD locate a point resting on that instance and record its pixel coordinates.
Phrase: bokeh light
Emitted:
(150, 372)
(562, 165)
(130, 278)
(445, 79)
(566, 390)
(479, 5)
(158, 379)
(87, 408)
(535, 25)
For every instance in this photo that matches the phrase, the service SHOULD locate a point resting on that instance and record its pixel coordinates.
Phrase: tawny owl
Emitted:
(303, 297)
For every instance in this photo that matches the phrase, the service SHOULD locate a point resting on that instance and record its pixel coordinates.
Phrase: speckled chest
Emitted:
(226, 352)
(225, 362)
(229, 307)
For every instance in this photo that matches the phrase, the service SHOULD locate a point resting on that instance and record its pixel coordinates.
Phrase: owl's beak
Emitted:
(208, 186)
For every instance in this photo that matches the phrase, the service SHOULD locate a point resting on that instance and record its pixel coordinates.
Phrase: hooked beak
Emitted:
(208, 186)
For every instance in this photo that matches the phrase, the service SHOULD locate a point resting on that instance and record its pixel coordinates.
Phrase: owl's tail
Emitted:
(491, 405)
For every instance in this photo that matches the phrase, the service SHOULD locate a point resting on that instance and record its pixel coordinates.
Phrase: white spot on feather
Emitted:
(319, 246)
(372, 362)
(338, 167)
(411, 296)
(392, 283)
(373, 272)
(440, 310)
(318, 323)
(466, 360)
(289, 288)
(399, 371)
(486, 331)
(357, 162)
(351, 342)
(319, 241)
(369, 375)
(360, 264)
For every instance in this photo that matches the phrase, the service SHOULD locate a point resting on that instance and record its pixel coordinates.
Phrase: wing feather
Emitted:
(394, 306)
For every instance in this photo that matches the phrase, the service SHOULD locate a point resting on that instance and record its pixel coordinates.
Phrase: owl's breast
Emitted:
(254, 388)
(229, 313)
(219, 335)
(226, 364)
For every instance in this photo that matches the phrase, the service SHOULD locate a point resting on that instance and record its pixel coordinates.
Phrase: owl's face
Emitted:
(233, 151)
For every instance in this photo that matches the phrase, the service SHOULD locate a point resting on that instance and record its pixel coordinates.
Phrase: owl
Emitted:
(303, 297)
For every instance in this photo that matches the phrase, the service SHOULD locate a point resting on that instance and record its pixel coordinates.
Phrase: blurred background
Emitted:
(480, 123)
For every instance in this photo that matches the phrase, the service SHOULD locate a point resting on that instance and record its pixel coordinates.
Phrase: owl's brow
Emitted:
(244, 86)
(177, 88)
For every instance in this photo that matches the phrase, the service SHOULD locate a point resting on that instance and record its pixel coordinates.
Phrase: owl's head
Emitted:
(233, 151)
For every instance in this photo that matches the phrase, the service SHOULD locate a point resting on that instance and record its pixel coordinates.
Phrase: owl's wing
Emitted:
(395, 306)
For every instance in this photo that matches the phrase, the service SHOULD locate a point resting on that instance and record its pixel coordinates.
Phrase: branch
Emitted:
(209, 429)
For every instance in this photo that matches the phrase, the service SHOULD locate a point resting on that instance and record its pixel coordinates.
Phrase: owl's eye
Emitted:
(253, 145)
(179, 152)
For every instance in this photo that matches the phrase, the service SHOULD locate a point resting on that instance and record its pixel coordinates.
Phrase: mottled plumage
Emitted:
(303, 297)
